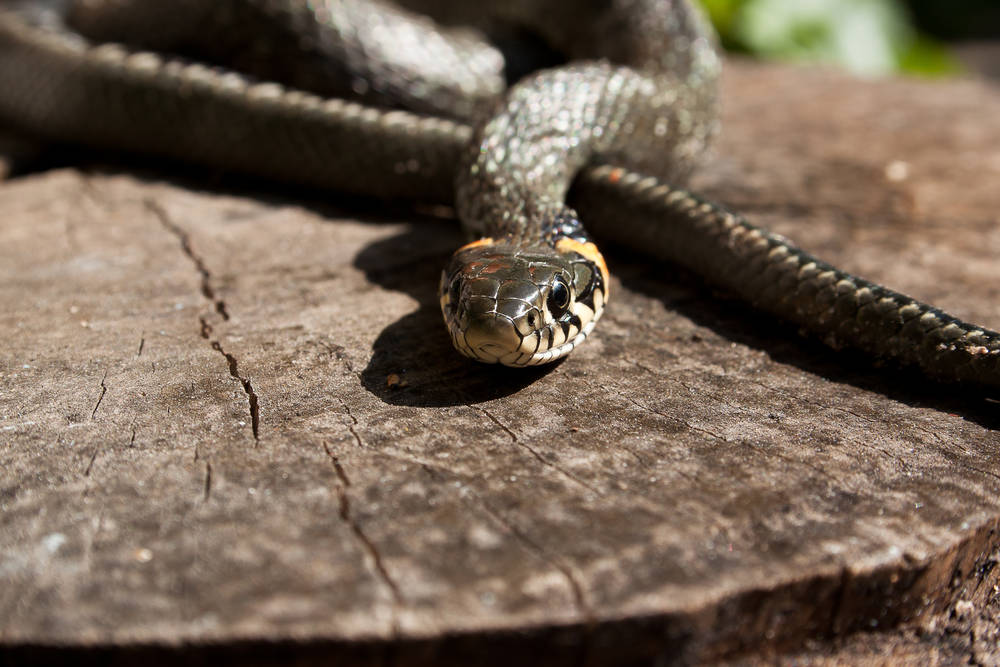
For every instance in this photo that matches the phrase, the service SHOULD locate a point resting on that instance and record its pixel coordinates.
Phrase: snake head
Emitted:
(522, 306)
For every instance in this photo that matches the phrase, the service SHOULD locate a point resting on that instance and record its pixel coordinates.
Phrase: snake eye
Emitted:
(558, 299)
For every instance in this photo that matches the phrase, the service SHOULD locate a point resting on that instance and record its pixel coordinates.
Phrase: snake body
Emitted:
(623, 123)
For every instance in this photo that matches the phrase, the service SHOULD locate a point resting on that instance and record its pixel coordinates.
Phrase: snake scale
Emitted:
(381, 101)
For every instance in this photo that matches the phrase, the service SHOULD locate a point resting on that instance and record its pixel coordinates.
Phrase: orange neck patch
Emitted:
(475, 244)
(587, 250)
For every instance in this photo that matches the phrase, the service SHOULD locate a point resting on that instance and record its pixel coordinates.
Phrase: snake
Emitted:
(436, 101)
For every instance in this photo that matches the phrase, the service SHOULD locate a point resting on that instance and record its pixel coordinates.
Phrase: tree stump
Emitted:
(232, 425)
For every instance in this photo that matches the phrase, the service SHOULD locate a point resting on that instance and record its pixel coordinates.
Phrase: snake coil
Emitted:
(623, 124)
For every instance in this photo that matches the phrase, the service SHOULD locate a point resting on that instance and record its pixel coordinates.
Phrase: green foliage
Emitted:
(872, 37)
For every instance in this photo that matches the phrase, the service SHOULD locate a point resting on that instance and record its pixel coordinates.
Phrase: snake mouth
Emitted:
(492, 338)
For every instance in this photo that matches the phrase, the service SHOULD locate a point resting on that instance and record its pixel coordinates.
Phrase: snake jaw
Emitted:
(516, 306)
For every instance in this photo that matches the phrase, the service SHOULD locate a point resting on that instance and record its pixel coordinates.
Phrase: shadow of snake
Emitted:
(413, 362)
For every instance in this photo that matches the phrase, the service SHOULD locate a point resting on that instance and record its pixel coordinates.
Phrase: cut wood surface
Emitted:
(232, 424)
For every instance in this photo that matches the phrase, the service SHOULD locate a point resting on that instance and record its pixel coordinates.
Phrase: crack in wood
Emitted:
(692, 390)
(793, 461)
(651, 508)
(207, 490)
(104, 390)
(534, 452)
(871, 420)
(339, 353)
(676, 420)
(367, 545)
(576, 588)
(818, 404)
(199, 264)
(90, 464)
(695, 390)
(352, 427)
(837, 408)
(206, 329)
(252, 398)
(220, 307)
(746, 443)
(247, 388)
(744, 411)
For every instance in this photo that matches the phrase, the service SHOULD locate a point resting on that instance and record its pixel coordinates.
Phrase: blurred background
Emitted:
(868, 37)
